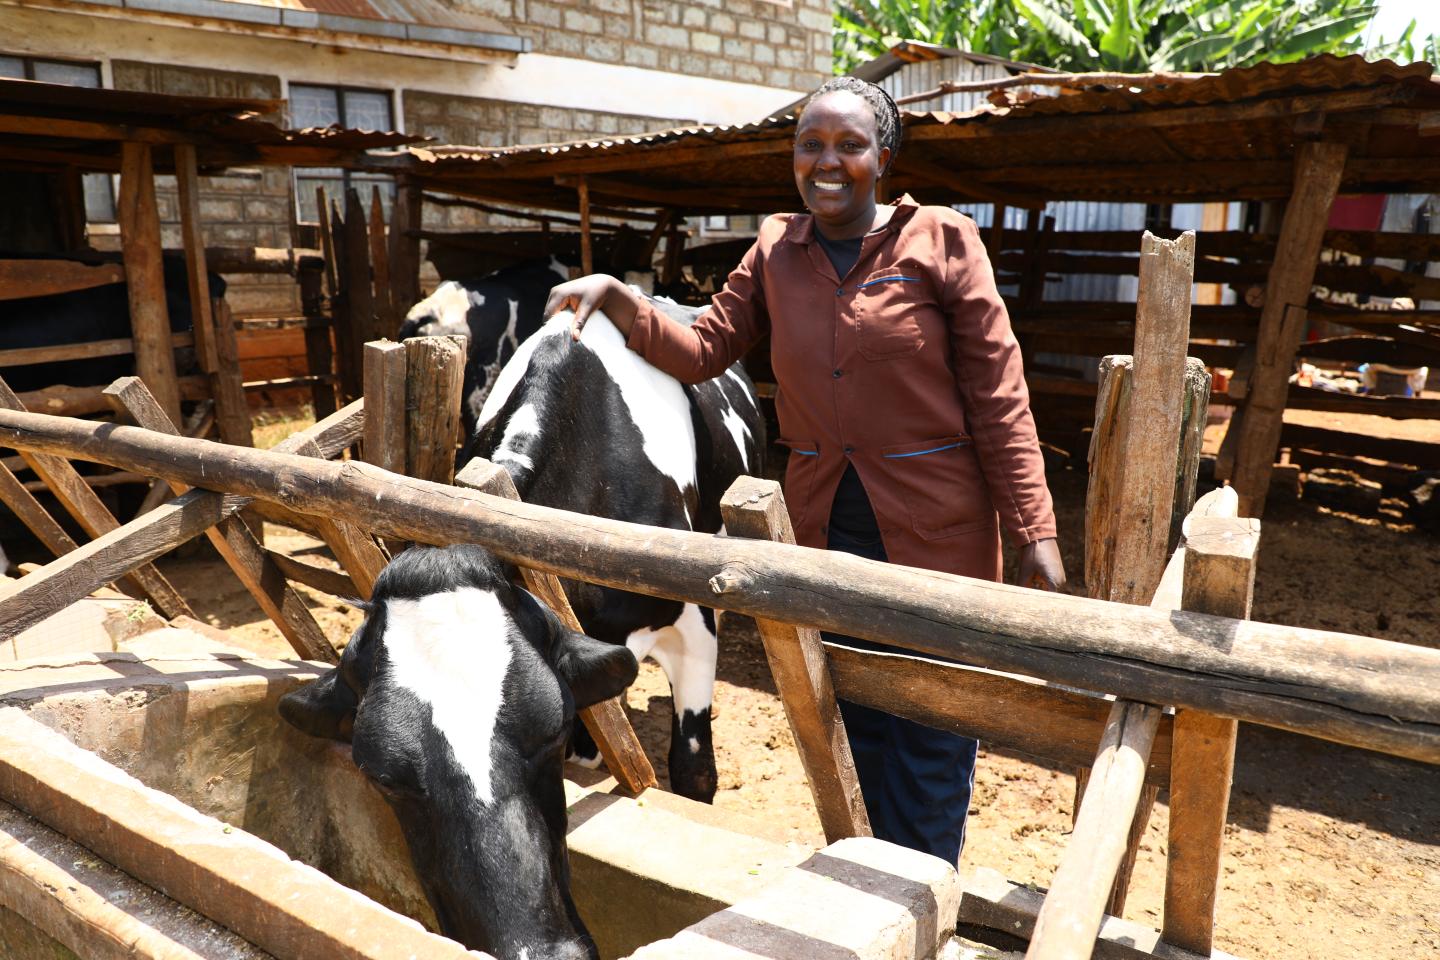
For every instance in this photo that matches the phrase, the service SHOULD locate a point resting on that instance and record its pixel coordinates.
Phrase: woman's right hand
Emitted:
(585, 295)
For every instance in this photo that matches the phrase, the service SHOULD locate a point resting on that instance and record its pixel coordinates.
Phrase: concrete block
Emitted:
(673, 37)
(779, 35)
(581, 22)
(620, 27)
(722, 23)
(639, 56)
(752, 30)
(693, 17)
(543, 14)
(703, 42)
(859, 898)
(749, 73)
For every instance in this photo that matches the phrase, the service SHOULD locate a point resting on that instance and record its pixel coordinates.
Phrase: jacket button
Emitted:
(839, 291)
(837, 373)
(849, 450)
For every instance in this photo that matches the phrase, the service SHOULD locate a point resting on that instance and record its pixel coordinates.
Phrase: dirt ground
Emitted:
(1330, 851)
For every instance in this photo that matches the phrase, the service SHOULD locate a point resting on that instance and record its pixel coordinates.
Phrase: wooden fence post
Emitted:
(1136, 472)
(405, 223)
(756, 509)
(434, 377)
(1220, 552)
(145, 276)
(385, 432)
(606, 721)
(1318, 168)
(219, 354)
(235, 543)
(319, 355)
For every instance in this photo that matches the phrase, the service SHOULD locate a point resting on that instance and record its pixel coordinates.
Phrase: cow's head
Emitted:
(445, 313)
(457, 694)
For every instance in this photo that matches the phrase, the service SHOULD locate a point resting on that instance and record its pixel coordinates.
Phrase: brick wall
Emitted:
(780, 44)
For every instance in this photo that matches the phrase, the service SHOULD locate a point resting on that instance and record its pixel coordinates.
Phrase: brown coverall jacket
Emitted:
(906, 367)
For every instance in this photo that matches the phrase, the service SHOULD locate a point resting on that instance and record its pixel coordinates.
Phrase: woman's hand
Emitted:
(598, 291)
(1041, 566)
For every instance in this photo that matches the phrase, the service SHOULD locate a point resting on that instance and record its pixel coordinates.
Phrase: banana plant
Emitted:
(1119, 35)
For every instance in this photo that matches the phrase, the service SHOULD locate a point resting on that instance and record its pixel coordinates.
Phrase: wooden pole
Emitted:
(587, 255)
(386, 321)
(319, 354)
(1220, 553)
(23, 504)
(756, 509)
(145, 276)
(1318, 167)
(406, 219)
(385, 432)
(434, 378)
(1134, 452)
(608, 725)
(235, 543)
(343, 312)
(220, 355)
(995, 241)
(358, 279)
(1357, 690)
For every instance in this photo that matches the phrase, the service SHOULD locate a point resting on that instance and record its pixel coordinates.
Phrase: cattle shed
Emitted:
(52, 136)
(1289, 138)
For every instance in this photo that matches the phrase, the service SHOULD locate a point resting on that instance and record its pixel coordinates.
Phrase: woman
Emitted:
(901, 398)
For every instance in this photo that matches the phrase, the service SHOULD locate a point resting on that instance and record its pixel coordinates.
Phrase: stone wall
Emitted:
(778, 43)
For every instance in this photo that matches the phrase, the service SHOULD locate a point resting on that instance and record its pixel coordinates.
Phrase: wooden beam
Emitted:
(23, 504)
(319, 354)
(53, 128)
(1318, 168)
(145, 277)
(45, 278)
(1220, 552)
(385, 432)
(334, 582)
(756, 509)
(968, 182)
(196, 270)
(1358, 690)
(1057, 725)
(587, 254)
(235, 543)
(387, 321)
(348, 363)
(358, 276)
(22, 356)
(606, 721)
(405, 219)
(232, 410)
(434, 378)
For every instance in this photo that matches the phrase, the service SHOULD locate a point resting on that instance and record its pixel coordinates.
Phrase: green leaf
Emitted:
(1049, 20)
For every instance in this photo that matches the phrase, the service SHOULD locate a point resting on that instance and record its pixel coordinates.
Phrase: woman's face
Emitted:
(837, 161)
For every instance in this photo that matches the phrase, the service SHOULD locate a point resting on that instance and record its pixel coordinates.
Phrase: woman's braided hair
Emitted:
(888, 127)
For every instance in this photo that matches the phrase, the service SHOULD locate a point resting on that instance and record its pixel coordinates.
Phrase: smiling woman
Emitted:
(901, 399)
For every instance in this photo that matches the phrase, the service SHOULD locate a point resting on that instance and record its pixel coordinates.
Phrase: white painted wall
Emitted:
(536, 78)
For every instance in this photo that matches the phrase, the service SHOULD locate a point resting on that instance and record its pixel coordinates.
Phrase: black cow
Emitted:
(497, 313)
(591, 427)
(457, 695)
(85, 316)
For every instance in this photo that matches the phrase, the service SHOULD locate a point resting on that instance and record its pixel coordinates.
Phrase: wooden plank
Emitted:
(405, 223)
(77, 401)
(232, 410)
(387, 322)
(23, 504)
(319, 355)
(21, 356)
(347, 342)
(1220, 553)
(1358, 690)
(358, 275)
(235, 543)
(46, 278)
(756, 509)
(434, 378)
(1318, 168)
(1055, 724)
(606, 721)
(145, 276)
(196, 270)
(385, 431)
(333, 582)
(202, 418)
(82, 503)
(1417, 453)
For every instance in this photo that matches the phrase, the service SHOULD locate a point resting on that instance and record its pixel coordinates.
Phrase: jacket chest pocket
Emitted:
(887, 306)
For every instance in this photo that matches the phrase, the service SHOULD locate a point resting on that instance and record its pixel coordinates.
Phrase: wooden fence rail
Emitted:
(1355, 690)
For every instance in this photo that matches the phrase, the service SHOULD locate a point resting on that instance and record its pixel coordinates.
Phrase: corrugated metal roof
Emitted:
(1159, 139)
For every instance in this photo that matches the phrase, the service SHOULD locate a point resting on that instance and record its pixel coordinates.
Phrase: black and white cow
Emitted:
(497, 313)
(591, 427)
(457, 695)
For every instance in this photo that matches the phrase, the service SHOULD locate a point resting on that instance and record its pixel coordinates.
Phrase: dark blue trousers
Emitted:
(916, 780)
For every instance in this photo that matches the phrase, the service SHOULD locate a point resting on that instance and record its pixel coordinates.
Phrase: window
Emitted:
(99, 188)
(316, 106)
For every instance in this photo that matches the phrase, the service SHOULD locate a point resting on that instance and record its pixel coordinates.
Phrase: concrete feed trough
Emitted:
(240, 837)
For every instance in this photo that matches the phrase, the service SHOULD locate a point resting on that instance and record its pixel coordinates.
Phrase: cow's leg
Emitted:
(686, 651)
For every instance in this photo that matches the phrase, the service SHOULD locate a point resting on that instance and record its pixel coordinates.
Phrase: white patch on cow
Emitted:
(744, 390)
(739, 432)
(561, 271)
(433, 652)
(514, 370)
(656, 401)
(686, 650)
(522, 427)
(448, 308)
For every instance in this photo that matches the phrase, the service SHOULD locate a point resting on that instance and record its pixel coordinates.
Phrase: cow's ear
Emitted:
(592, 669)
(322, 708)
